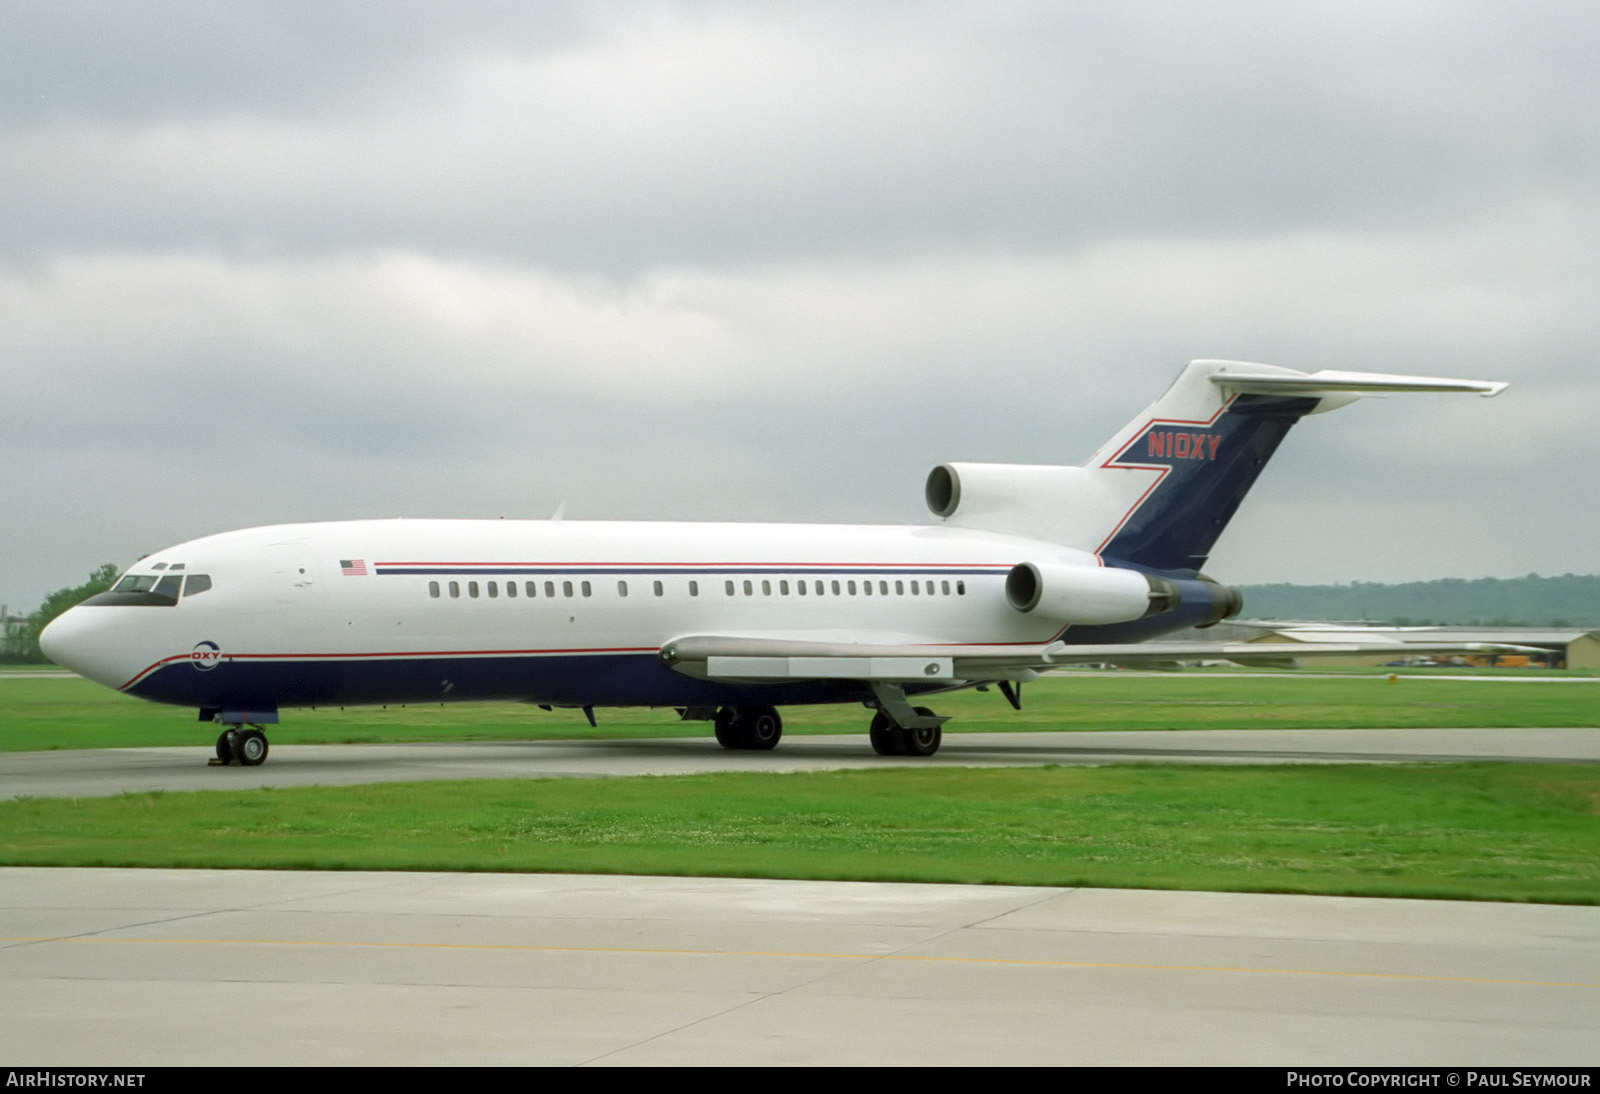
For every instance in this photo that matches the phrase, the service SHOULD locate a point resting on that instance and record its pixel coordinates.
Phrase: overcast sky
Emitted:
(266, 262)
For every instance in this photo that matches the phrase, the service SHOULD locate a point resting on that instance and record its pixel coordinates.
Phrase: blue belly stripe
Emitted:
(577, 680)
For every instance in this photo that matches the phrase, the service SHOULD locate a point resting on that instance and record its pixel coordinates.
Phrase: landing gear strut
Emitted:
(751, 728)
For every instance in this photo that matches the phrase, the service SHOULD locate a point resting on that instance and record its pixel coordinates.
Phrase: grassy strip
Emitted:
(37, 714)
(1460, 831)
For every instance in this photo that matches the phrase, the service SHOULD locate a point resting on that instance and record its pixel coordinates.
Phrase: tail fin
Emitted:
(1160, 492)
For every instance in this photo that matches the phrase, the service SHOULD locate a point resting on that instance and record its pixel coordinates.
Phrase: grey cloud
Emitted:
(732, 261)
(104, 60)
(677, 137)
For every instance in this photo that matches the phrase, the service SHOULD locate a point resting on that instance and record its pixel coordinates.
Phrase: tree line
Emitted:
(1570, 600)
(21, 642)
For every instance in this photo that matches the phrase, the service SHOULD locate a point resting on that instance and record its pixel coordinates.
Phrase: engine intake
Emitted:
(943, 490)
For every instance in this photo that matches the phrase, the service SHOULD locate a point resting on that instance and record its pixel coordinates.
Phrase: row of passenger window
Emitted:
(782, 587)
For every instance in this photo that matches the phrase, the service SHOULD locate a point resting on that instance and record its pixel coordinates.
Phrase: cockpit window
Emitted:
(195, 584)
(149, 590)
(135, 583)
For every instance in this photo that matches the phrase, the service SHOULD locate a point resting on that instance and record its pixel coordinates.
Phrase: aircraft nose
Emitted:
(80, 640)
(53, 639)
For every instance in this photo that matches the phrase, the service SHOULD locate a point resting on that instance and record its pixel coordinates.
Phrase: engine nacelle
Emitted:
(1088, 594)
(971, 491)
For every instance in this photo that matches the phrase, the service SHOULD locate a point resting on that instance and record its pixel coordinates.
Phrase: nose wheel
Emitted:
(246, 747)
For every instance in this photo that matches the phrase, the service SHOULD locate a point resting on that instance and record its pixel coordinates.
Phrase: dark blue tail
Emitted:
(1205, 469)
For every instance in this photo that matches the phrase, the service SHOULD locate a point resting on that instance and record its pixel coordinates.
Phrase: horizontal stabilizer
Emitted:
(1252, 380)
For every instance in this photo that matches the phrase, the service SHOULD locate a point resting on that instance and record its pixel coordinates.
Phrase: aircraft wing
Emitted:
(772, 659)
(1268, 654)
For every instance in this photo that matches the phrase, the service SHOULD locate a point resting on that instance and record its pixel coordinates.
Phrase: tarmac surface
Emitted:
(100, 772)
(133, 968)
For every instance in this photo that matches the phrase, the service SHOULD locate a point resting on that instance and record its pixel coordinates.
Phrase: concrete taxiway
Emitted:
(151, 967)
(99, 772)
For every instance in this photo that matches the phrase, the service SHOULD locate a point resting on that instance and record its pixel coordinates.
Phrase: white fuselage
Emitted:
(407, 610)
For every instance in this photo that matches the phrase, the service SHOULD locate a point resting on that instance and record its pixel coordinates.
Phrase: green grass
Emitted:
(1464, 831)
(70, 712)
(1483, 831)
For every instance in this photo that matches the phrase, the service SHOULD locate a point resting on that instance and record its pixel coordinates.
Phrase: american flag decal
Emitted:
(353, 567)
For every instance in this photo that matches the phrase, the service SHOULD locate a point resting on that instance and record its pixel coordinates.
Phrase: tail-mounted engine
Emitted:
(1085, 595)
(975, 491)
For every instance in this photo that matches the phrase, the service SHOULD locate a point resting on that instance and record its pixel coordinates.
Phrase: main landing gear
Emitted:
(899, 729)
(756, 729)
(889, 739)
(246, 745)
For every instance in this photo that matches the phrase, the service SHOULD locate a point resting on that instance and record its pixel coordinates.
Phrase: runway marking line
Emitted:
(816, 956)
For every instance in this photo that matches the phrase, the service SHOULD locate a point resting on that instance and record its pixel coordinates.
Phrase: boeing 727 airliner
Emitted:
(1029, 567)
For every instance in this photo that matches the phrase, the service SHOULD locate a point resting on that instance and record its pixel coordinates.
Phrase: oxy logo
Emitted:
(205, 656)
(1172, 444)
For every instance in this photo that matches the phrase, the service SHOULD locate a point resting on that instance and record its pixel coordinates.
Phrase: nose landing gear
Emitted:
(243, 741)
(246, 746)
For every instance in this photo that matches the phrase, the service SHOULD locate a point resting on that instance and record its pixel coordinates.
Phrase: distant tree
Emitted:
(23, 645)
(1536, 601)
